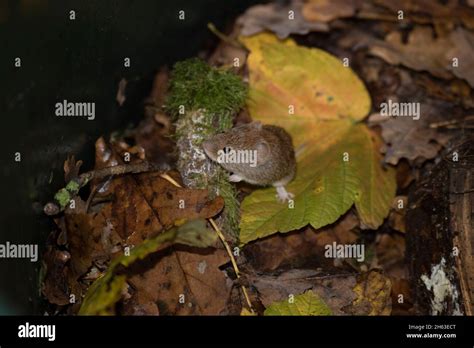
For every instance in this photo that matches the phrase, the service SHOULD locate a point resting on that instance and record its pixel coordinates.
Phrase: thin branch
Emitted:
(74, 185)
(223, 37)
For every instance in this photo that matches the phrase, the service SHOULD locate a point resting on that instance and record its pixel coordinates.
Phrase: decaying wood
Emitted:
(462, 223)
(440, 235)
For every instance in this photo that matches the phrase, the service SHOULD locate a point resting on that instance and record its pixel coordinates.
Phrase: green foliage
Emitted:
(72, 186)
(228, 193)
(64, 196)
(306, 304)
(196, 85)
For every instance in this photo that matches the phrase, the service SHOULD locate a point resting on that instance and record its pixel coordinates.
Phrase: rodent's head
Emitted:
(239, 148)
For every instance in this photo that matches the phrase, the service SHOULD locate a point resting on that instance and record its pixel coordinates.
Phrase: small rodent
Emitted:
(258, 154)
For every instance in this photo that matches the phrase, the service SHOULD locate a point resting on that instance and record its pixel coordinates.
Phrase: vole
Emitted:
(258, 154)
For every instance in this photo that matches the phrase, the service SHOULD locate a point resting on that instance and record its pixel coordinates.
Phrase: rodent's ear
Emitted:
(257, 125)
(210, 148)
(263, 152)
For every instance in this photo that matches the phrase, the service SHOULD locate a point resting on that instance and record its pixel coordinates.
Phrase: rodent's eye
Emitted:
(227, 149)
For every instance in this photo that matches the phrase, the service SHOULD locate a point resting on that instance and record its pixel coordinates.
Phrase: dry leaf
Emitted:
(55, 284)
(121, 97)
(449, 12)
(390, 252)
(413, 139)
(125, 211)
(335, 290)
(424, 52)
(71, 168)
(277, 19)
(328, 10)
(396, 217)
(373, 291)
(194, 273)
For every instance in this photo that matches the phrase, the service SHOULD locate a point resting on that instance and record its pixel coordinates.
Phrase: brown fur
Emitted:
(275, 153)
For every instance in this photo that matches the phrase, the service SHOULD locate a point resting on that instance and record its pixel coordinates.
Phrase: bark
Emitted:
(440, 235)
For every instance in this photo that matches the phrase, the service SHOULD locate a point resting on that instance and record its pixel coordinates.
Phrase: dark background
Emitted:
(81, 61)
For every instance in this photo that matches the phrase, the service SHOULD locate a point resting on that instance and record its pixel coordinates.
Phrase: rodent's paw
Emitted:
(283, 195)
(235, 178)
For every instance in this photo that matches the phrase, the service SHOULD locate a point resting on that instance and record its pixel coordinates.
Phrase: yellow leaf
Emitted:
(373, 291)
(338, 162)
(245, 313)
(315, 82)
(305, 304)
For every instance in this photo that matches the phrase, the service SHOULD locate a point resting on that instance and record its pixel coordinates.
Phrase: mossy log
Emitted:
(203, 101)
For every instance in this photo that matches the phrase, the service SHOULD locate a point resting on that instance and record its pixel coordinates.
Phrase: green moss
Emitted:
(196, 85)
(232, 207)
(72, 187)
(62, 197)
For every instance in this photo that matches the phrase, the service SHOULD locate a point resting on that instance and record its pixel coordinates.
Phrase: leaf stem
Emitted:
(224, 242)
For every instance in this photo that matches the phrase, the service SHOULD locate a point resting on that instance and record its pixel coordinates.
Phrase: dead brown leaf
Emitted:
(328, 10)
(55, 284)
(71, 168)
(153, 133)
(277, 18)
(390, 252)
(342, 232)
(335, 290)
(457, 91)
(373, 291)
(424, 52)
(121, 97)
(122, 212)
(159, 88)
(448, 12)
(185, 281)
(301, 248)
(396, 217)
(229, 52)
(402, 297)
(414, 139)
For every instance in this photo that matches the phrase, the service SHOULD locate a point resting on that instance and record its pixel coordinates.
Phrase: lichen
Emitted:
(442, 288)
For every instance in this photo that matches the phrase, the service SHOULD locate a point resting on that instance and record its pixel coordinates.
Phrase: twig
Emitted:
(120, 169)
(63, 196)
(450, 122)
(223, 37)
(224, 242)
